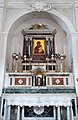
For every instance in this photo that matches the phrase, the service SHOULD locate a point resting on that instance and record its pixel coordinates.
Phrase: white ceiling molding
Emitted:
(39, 4)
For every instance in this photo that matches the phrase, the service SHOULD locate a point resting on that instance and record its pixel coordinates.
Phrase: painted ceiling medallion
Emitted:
(39, 6)
(20, 81)
(57, 81)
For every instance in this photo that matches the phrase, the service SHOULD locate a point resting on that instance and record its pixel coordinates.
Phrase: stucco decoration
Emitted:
(39, 6)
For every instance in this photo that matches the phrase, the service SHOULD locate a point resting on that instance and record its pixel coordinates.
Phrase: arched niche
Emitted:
(24, 20)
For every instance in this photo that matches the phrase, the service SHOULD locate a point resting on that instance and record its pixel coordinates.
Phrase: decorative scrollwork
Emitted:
(39, 6)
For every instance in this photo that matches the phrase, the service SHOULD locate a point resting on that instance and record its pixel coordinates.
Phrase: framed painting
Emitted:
(38, 52)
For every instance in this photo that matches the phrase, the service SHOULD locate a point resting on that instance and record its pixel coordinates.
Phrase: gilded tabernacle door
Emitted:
(38, 52)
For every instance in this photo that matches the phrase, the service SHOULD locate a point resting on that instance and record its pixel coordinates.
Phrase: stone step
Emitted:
(76, 118)
(1, 118)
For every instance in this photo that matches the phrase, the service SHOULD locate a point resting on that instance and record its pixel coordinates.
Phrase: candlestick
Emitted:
(25, 58)
(16, 65)
(20, 62)
(52, 58)
(13, 58)
(57, 56)
(29, 50)
(47, 59)
(21, 50)
(48, 49)
(62, 57)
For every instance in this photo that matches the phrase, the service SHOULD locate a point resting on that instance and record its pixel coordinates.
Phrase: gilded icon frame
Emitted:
(38, 49)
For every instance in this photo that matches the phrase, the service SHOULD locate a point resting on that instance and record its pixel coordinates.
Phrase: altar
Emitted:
(37, 83)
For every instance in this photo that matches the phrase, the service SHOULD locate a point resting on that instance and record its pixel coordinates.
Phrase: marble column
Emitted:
(47, 46)
(76, 106)
(58, 111)
(9, 112)
(68, 112)
(24, 45)
(5, 111)
(33, 80)
(54, 113)
(18, 113)
(71, 112)
(29, 50)
(53, 44)
(1, 16)
(73, 56)
(50, 43)
(1, 106)
(3, 44)
(22, 112)
(29, 46)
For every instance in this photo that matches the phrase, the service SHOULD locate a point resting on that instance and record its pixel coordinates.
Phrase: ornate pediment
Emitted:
(38, 27)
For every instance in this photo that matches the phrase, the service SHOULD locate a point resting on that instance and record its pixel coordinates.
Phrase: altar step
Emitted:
(1, 118)
(75, 118)
(40, 118)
